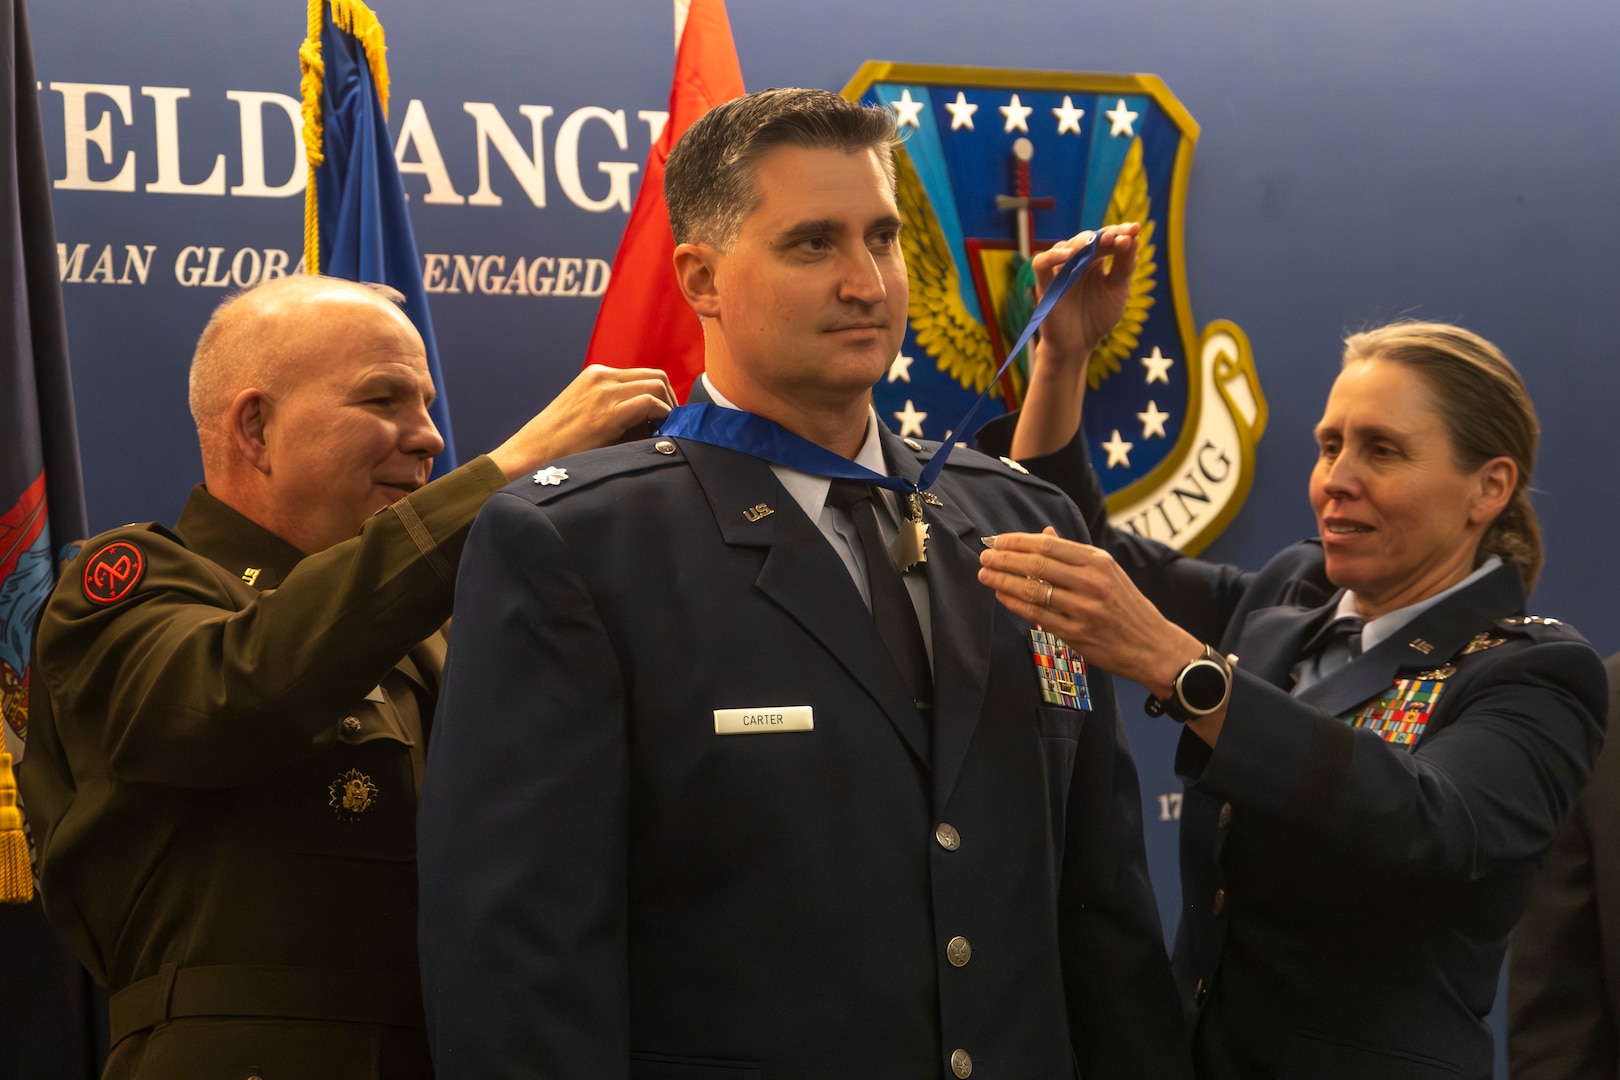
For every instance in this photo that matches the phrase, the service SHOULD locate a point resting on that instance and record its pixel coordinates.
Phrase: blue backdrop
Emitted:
(1455, 160)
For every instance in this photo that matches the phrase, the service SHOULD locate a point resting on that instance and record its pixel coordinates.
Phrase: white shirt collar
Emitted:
(808, 490)
(1389, 622)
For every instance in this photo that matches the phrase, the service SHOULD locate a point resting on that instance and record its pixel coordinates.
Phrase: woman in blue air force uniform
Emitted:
(1379, 741)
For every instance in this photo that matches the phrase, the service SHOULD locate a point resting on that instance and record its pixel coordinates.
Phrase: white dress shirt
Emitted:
(810, 492)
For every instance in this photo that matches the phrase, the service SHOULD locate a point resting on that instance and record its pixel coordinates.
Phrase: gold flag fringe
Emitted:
(16, 876)
(353, 17)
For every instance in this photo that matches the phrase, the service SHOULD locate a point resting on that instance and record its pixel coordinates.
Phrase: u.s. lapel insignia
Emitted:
(1480, 643)
(251, 575)
(1402, 714)
(550, 477)
(758, 511)
(352, 794)
(1062, 671)
(1420, 645)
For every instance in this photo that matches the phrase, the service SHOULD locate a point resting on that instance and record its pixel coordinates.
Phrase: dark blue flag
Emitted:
(357, 225)
(41, 492)
(49, 1014)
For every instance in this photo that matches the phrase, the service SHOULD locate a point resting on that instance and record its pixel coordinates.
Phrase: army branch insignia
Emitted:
(352, 794)
(998, 165)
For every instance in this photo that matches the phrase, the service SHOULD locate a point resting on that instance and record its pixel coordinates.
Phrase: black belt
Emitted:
(360, 997)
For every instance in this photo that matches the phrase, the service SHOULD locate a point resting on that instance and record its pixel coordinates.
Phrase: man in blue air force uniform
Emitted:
(699, 803)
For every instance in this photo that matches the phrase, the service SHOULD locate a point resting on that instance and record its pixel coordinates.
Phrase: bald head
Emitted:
(268, 338)
(311, 397)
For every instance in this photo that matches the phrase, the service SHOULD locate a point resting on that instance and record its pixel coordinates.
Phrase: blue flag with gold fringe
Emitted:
(356, 225)
(48, 1025)
(41, 490)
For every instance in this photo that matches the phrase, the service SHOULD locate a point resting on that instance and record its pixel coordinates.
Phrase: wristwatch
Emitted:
(1198, 689)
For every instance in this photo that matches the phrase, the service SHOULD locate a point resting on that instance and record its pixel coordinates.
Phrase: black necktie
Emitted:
(892, 610)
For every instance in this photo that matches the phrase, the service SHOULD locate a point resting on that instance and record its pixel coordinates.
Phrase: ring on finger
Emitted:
(1046, 602)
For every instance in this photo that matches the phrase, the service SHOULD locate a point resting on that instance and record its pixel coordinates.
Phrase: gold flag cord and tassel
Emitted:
(16, 876)
(354, 17)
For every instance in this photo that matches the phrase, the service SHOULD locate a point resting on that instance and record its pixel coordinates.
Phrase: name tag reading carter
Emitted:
(764, 720)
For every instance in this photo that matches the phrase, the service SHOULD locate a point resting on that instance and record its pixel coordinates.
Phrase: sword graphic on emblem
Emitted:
(1021, 298)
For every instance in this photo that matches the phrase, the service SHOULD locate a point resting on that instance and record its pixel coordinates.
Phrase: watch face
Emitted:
(1203, 685)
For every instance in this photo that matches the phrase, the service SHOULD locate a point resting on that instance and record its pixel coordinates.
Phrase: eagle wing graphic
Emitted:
(1130, 202)
(957, 341)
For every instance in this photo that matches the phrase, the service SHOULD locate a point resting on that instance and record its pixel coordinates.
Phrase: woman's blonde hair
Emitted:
(1486, 410)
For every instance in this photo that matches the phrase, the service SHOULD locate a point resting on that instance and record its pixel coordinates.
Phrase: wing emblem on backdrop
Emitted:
(997, 165)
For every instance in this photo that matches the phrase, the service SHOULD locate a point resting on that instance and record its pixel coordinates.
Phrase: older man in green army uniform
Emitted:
(229, 718)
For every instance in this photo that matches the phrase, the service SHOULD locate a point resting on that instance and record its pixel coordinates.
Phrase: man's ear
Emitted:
(247, 419)
(695, 266)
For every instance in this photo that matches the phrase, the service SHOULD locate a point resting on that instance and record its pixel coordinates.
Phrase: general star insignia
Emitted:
(550, 477)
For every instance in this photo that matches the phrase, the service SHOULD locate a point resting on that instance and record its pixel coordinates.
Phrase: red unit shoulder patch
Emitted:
(113, 572)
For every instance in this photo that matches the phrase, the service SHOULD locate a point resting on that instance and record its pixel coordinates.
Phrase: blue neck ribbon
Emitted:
(765, 439)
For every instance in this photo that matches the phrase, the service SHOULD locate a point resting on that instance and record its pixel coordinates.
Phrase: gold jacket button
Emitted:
(948, 837)
(1225, 819)
(351, 725)
(1219, 907)
(664, 446)
(958, 951)
(961, 1064)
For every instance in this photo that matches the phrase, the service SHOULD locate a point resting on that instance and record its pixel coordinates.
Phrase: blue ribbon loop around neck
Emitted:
(762, 438)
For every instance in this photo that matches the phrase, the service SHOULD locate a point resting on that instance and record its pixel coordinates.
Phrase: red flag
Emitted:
(644, 321)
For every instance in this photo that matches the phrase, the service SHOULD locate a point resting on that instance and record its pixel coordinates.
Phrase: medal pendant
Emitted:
(911, 542)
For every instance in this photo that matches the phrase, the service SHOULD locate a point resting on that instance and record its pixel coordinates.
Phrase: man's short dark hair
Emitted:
(709, 182)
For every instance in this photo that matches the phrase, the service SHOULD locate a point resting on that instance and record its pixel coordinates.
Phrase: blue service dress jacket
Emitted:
(1346, 901)
(611, 888)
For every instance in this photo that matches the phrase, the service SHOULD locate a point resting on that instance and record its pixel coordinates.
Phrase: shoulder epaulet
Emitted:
(965, 457)
(1539, 628)
(585, 470)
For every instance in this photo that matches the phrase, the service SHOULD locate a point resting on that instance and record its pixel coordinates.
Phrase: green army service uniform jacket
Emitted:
(226, 747)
